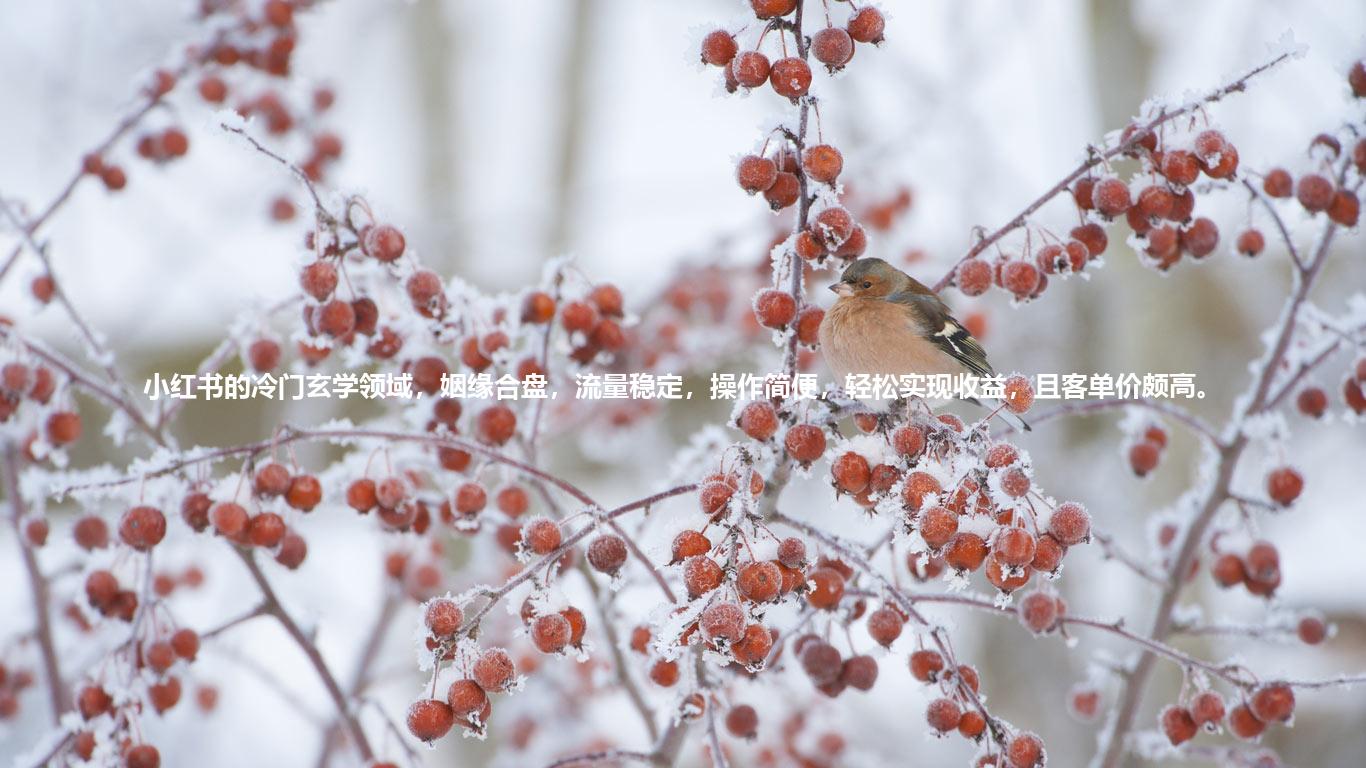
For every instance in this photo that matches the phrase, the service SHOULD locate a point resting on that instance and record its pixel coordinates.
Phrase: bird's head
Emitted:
(872, 279)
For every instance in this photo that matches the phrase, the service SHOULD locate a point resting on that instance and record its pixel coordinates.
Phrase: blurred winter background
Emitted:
(501, 134)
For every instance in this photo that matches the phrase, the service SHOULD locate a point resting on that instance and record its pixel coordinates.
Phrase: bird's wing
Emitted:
(944, 331)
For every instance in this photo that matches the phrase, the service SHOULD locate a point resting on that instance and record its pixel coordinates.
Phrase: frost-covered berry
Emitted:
(142, 527)
(1278, 183)
(805, 443)
(866, 25)
(1020, 278)
(885, 626)
(1200, 237)
(851, 473)
(718, 48)
(973, 277)
(384, 242)
(1024, 750)
(792, 552)
(827, 588)
(759, 581)
(809, 325)
(821, 661)
(784, 192)
(1111, 197)
(1014, 547)
(1345, 209)
(972, 725)
(1244, 724)
(926, 665)
(755, 174)
(494, 671)
(937, 526)
(832, 47)
(965, 551)
(1177, 724)
(1070, 524)
(750, 68)
(318, 279)
(1019, 394)
(1038, 612)
(607, 553)
(1284, 485)
(701, 574)
(1228, 570)
(1048, 554)
(1092, 236)
(1207, 709)
(664, 673)
(466, 697)
(1015, 482)
(304, 493)
(1315, 192)
(822, 163)
(943, 714)
(722, 622)
(1180, 167)
(551, 633)
(541, 536)
(774, 308)
(1274, 702)
(496, 425)
(443, 617)
(429, 719)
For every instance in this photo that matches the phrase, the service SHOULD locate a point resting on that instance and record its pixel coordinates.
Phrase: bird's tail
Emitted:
(998, 408)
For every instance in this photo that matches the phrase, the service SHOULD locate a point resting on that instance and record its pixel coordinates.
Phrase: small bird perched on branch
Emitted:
(886, 323)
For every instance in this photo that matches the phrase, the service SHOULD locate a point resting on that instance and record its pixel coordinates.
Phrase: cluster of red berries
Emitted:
(1258, 569)
(36, 383)
(789, 76)
(162, 656)
(467, 700)
(1145, 450)
(1268, 703)
(1026, 277)
(1313, 401)
(13, 682)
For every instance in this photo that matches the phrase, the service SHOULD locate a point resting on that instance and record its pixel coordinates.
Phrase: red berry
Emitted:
(1274, 702)
(965, 551)
(272, 479)
(1020, 278)
(384, 242)
(784, 192)
(1278, 183)
(822, 163)
(750, 68)
(542, 536)
(1228, 570)
(1143, 457)
(1111, 197)
(973, 277)
(1207, 709)
(1092, 236)
(1070, 524)
(185, 644)
(805, 443)
(1177, 724)
(827, 588)
(430, 719)
(742, 721)
(142, 527)
(1314, 192)
(718, 48)
(1356, 78)
(769, 9)
(832, 47)
(885, 626)
(755, 174)
(1019, 394)
(1244, 724)
(494, 671)
(443, 617)
(866, 25)
(63, 428)
(909, 441)
(664, 673)
(722, 622)
(142, 756)
(551, 633)
(943, 714)
(790, 77)
(1311, 630)
(1025, 750)
(607, 553)
(1250, 242)
(91, 533)
(851, 473)
(1284, 485)
(1180, 167)
(821, 661)
(1038, 612)
(1200, 238)
(775, 308)
(759, 581)
(466, 697)
(496, 425)
(266, 530)
(926, 665)
(937, 526)
(305, 492)
(1345, 209)
(791, 552)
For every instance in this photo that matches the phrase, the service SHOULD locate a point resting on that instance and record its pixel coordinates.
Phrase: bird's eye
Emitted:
(867, 285)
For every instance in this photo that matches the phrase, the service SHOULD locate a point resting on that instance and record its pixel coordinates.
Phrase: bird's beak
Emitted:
(842, 289)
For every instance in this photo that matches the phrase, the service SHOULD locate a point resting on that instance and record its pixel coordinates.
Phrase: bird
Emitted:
(887, 323)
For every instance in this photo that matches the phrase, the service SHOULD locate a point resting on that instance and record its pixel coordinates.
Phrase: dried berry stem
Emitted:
(1114, 552)
(612, 756)
(1098, 157)
(1196, 424)
(38, 589)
